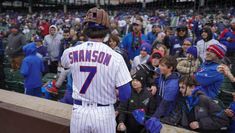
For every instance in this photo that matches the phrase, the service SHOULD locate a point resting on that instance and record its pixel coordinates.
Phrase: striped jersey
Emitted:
(96, 71)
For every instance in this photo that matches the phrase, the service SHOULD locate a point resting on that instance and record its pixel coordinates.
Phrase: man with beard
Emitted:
(133, 40)
(205, 42)
(66, 42)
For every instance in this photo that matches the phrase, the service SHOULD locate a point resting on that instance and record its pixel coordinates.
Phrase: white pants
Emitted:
(93, 119)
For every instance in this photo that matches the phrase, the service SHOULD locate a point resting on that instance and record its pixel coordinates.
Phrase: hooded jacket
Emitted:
(168, 89)
(32, 67)
(53, 44)
(203, 44)
(209, 78)
(209, 114)
(198, 107)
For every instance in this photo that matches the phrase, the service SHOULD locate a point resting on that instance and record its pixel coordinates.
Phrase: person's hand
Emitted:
(153, 90)
(229, 112)
(223, 69)
(194, 125)
(121, 127)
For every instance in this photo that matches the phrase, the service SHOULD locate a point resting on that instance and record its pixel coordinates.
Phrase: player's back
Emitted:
(95, 69)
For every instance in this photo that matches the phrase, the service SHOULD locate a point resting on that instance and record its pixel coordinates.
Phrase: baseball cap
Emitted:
(157, 54)
(37, 39)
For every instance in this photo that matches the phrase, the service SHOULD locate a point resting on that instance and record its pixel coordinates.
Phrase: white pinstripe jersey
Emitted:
(96, 70)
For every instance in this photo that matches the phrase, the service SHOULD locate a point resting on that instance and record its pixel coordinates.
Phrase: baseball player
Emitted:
(96, 71)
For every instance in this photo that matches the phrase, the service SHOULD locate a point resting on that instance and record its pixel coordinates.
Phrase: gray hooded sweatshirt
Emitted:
(53, 44)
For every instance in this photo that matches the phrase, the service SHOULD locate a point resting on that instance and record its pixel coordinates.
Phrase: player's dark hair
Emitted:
(93, 32)
(169, 61)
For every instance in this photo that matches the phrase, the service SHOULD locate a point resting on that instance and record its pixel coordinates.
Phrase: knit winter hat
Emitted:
(193, 51)
(218, 49)
(140, 76)
(189, 40)
(146, 47)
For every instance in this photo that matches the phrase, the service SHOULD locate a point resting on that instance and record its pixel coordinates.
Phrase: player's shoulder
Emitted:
(68, 49)
(117, 56)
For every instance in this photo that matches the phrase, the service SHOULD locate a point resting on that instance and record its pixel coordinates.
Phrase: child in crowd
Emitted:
(144, 55)
(150, 69)
(190, 64)
(32, 68)
(140, 99)
(167, 87)
(202, 113)
(41, 51)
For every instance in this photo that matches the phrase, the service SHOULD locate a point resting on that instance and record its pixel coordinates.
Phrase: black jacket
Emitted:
(209, 114)
(142, 100)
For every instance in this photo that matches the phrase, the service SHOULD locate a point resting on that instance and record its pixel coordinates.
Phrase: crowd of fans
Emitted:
(177, 59)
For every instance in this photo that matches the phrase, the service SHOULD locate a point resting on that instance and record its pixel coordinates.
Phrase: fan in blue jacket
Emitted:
(32, 68)
(207, 75)
(133, 40)
(167, 87)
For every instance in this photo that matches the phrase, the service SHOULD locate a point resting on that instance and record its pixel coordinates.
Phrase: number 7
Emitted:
(92, 71)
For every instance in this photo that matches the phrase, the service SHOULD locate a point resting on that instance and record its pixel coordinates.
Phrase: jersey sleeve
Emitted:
(65, 59)
(122, 75)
